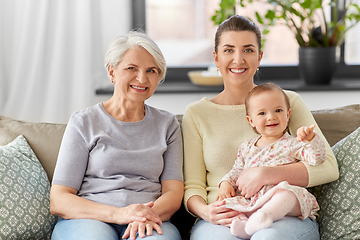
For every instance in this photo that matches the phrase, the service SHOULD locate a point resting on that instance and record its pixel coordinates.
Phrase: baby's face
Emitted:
(268, 113)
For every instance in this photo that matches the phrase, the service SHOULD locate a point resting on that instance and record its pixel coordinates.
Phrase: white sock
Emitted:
(237, 229)
(282, 203)
(259, 220)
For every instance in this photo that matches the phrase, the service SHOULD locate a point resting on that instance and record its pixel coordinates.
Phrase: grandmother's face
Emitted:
(136, 76)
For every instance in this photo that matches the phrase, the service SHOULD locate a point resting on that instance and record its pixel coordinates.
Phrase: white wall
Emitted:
(330, 99)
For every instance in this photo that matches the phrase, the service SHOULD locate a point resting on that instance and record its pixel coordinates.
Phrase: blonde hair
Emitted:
(120, 45)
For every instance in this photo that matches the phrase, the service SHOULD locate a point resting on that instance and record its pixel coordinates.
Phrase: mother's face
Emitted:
(238, 56)
(136, 76)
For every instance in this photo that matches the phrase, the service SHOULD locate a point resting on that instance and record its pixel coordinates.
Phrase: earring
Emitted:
(112, 81)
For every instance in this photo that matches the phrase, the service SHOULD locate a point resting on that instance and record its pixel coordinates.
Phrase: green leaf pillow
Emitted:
(339, 215)
(24, 194)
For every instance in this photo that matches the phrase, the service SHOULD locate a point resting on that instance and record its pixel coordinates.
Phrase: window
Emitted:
(281, 47)
(352, 49)
(182, 29)
(187, 25)
(185, 34)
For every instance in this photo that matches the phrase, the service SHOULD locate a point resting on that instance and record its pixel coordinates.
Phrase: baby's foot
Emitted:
(259, 220)
(237, 228)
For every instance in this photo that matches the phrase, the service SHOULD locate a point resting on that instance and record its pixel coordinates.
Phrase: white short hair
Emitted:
(120, 45)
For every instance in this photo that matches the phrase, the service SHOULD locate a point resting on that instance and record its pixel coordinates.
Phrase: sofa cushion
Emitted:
(24, 194)
(44, 139)
(339, 215)
(337, 123)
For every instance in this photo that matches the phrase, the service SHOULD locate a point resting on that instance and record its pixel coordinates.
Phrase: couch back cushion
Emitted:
(44, 139)
(338, 123)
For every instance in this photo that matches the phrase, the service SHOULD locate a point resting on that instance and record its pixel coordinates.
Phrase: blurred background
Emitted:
(51, 52)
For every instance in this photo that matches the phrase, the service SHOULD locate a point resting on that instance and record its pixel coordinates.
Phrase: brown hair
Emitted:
(265, 87)
(237, 23)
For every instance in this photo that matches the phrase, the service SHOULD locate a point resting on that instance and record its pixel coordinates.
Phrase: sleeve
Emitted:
(301, 116)
(173, 156)
(73, 156)
(313, 152)
(194, 165)
(238, 167)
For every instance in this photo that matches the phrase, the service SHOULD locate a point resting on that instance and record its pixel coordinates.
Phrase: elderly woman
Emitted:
(119, 169)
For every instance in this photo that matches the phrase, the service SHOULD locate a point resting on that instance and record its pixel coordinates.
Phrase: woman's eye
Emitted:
(248, 50)
(228, 50)
(152, 71)
(131, 68)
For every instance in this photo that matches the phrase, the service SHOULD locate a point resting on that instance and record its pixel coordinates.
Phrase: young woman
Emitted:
(212, 134)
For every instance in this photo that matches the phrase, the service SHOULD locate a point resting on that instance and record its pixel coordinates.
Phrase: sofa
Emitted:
(28, 153)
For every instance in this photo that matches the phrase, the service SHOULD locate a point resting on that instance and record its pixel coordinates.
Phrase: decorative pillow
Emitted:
(24, 194)
(339, 215)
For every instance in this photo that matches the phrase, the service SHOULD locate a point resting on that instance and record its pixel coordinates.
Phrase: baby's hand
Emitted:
(305, 134)
(225, 191)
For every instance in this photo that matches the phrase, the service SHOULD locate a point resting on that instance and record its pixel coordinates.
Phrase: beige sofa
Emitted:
(44, 139)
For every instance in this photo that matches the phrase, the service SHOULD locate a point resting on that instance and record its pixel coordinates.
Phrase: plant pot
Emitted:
(317, 64)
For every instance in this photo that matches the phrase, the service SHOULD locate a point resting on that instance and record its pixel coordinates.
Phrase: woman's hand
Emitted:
(142, 228)
(225, 191)
(65, 203)
(216, 213)
(140, 213)
(251, 180)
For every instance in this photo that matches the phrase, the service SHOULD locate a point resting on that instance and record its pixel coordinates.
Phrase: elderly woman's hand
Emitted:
(140, 213)
(143, 228)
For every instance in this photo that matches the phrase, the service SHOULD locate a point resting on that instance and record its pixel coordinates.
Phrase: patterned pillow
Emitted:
(339, 215)
(24, 194)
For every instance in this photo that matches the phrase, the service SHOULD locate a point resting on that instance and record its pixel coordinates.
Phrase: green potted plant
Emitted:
(316, 34)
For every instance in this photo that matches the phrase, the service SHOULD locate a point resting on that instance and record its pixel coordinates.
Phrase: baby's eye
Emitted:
(261, 113)
(279, 110)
